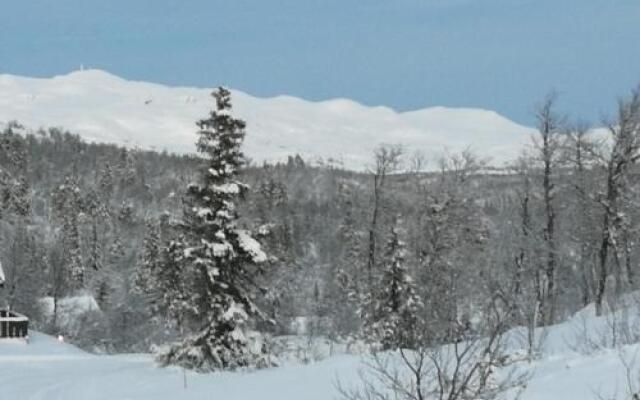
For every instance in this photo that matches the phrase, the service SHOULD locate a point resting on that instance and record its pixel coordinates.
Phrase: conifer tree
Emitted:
(106, 181)
(15, 191)
(159, 275)
(127, 169)
(350, 269)
(97, 211)
(348, 299)
(217, 261)
(95, 250)
(149, 260)
(67, 203)
(23, 269)
(395, 306)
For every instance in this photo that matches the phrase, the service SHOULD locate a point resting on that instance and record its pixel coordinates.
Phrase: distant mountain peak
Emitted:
(103, 107)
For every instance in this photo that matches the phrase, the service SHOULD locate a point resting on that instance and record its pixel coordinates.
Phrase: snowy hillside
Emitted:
(48, 369)
(105, 108)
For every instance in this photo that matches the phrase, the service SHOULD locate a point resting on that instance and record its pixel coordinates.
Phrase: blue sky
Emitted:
(503, 55)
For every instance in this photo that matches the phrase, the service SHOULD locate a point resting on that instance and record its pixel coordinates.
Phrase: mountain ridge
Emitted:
(103, 107)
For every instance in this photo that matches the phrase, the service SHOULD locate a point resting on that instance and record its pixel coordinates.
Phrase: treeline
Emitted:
(357, 255)
(75, 216)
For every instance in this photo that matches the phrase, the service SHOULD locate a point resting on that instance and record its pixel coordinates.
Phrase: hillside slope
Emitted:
(105, 108)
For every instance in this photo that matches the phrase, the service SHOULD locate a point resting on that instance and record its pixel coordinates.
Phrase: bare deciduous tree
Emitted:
(625, 151)
(548, 148)
(469, 368)
(387, 160)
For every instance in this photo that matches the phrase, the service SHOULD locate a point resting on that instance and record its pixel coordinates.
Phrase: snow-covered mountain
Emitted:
(105, 108)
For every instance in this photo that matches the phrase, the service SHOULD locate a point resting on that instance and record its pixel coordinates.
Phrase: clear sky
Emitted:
(502, 55)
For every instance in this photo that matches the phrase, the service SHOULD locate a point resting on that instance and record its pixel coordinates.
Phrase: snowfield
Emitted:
(48, 369)
(105, 108)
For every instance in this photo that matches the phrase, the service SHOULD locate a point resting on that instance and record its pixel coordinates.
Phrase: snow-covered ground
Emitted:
(105, 108)
(50, 370)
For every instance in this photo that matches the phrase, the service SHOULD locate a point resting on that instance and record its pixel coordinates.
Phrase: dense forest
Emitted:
(398, 255)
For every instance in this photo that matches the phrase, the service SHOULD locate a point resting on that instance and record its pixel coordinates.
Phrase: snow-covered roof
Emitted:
(2, 278)
(14, 317)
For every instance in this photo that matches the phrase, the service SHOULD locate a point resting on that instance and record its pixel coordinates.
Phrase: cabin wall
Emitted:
(13, 325)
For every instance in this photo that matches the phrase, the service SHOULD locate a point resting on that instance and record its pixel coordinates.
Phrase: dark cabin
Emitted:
(12, 324)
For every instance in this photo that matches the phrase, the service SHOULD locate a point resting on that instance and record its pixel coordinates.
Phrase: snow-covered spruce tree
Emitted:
(23, 266)
(67, 204)
(219, 261)
(106, 181)
(158, 274)
(15, 191)
(395, 306)
(346, 300)
(97, 212)
(273, 217)
(149, 258)
(159, 277)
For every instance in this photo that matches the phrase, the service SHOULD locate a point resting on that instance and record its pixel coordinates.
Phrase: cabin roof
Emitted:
(2, 278)
(12, 316)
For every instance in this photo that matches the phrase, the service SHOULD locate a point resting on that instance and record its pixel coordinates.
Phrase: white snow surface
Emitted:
(69, 308)
(76, 304)
(47, 369)
(251, 246)
(105, 108)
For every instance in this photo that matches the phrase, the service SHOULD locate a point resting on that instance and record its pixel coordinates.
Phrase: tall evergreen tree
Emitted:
(395, 305)
(106, 181)
(98, 214)
(67, 202)
(219, 261)
(348, 299)
(148, 261)
(15, 191)
(23, 266)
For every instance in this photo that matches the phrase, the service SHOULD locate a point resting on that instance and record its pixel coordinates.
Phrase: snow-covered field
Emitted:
(50, 370)
(105, 108)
